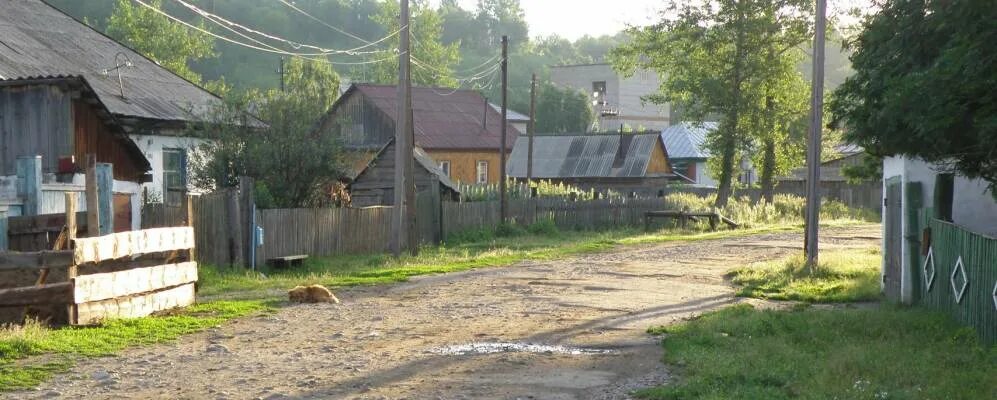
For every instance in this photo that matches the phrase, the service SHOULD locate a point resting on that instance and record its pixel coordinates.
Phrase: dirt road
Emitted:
(411, 340)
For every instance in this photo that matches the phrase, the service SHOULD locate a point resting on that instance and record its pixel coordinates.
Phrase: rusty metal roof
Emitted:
(585, 156)
(444, 118)
(37, 39)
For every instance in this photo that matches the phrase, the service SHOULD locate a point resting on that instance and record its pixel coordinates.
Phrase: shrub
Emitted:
(545, 227)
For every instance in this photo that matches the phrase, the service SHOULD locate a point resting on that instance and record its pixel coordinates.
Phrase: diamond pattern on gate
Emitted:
(995, 295)
(929, 270)
(959, 289)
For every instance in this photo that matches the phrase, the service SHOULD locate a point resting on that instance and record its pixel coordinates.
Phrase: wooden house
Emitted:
(621, 162)
(458, 129)
(56, 122)
(153, 105)
(373, 184)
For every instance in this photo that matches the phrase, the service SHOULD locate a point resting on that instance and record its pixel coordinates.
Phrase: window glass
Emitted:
(482, 172)
(445, 167)
(174, 176)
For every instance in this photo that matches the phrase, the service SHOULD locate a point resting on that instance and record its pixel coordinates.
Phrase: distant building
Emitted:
(686, 144)
(518, 120)
(153, 105)
(616, 100)
(458, 129)
(621, 162)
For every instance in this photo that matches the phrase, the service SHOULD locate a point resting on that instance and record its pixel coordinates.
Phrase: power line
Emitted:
(324, 51)
(236, 42)
(327, 24)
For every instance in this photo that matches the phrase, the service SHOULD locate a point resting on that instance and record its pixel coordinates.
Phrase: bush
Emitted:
(545, 227)
(783, 209)
(509, 230)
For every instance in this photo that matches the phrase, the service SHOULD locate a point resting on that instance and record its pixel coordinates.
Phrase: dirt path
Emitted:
(391, 341)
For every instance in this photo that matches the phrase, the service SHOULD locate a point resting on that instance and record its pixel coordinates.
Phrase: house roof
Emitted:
(37, 39)
(687, 140)
(510, 114)
(88, 93)
(367, 160)
(443, 118)
(585, 156)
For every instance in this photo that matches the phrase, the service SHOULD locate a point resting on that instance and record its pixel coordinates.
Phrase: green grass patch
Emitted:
(883, 353)
(63, 345)
(841, 276)
(475, 249)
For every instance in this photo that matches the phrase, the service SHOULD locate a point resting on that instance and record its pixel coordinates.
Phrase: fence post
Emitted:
(234, 231)
(93, 197)
(190, 223)
(434, 196)
(71, 228)
(247, 223)
(3, 230)
(29, 183)
(105, 186)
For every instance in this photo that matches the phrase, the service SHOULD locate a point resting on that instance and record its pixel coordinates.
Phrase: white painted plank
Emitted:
(136, 306)
(132, 243)
(95, 287)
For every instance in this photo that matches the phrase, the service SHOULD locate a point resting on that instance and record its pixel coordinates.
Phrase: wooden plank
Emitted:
(105, 184)
(127, 244)
(109, 285)
(135, 306)
(35, 260)
(53, 293)
(93, 205)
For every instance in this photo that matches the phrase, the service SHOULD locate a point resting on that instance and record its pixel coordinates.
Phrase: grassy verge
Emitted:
(63, 346)
(475, 250)
(841, 276)
(886, 353)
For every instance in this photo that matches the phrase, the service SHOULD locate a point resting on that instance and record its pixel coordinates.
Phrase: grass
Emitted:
(470, 250)
(883, 353)
(841, 276)
(62, 346)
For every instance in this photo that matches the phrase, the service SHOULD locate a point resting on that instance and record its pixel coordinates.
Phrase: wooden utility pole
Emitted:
(813, 146)
(531, 129)
(403, 149)
(280, 70)
(505, 94)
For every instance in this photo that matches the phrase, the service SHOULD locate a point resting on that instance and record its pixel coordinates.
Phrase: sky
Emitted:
(573, 19)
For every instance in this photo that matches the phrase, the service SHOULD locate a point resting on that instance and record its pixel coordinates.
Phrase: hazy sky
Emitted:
(575, 18)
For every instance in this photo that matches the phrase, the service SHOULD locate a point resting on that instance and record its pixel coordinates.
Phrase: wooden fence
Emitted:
(958, 276)
(217, 221)
(121, 275)
(564, 213)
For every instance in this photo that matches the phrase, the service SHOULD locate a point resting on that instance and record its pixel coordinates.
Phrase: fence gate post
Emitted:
(29, 183)
(434, 197)
(247, 223)
(105, 186)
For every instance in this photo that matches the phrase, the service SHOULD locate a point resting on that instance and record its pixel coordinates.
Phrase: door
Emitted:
(893, 218)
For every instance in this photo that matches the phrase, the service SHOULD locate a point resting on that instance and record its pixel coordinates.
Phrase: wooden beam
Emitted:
(53, 293)
(71, 231)
(190, 223)
(132, 243)
(93, 204)
(12, 260)
(135, 306)
(110, 285)
(105, 185)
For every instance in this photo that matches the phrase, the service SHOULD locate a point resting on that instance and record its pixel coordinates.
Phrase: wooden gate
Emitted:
(893, 239)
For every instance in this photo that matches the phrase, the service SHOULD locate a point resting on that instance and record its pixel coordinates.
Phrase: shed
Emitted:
(373, 184)
(631, 162)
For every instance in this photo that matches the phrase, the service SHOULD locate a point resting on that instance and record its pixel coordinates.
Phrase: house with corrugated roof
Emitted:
(458, 129)
(686, 144)
(623, 162)
(151, 104)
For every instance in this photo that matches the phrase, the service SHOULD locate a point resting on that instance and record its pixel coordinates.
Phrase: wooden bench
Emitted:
(287, 261)
(685, 216)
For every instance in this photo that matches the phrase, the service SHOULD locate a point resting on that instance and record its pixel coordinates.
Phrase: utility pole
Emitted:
(813, 146)
(403, 149)
(280, 70)
(531, 129)
(505, 94)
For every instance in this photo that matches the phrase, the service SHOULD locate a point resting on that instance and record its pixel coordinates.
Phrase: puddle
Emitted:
(509, 347)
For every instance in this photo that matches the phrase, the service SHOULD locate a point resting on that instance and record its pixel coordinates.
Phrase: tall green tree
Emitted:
(562, 110)
(924, 85)
(293, 166)
(434, 61)
(168, 43)
(716, 60)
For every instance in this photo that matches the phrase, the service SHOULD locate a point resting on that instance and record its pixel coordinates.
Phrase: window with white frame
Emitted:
(482, 171)
(445, 167)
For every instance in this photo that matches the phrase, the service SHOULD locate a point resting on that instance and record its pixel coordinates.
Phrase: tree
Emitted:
(925, 73)
(293, 164)
(723, 59)
(168, 43)
(562, 110)
(433, 61)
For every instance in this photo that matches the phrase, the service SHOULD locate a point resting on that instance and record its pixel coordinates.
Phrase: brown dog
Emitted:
(311, 294)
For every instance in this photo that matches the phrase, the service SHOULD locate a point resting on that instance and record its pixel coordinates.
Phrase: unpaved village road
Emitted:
(382, 342)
